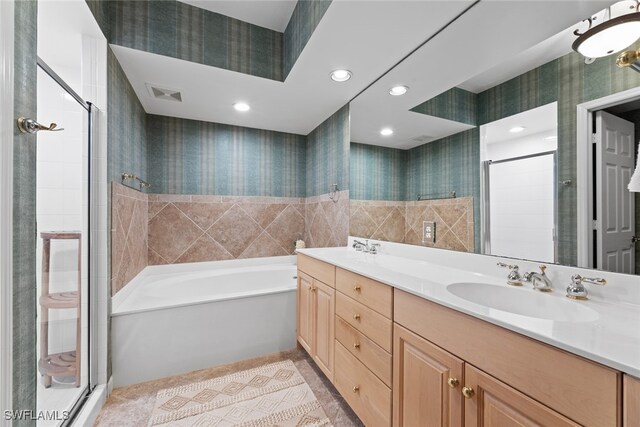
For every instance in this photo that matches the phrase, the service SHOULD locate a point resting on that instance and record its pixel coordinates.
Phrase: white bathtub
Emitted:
(173, 319)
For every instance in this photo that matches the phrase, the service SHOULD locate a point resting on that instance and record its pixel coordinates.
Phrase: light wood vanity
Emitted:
(399, 359)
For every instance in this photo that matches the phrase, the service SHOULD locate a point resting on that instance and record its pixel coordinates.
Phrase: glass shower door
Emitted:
(62, 207)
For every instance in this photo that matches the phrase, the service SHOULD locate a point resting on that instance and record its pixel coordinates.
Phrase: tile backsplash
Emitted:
(401, 222)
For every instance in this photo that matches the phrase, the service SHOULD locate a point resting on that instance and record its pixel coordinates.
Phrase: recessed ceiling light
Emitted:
(340, 75)
(516, 129)
(241, 106)
(551, 138)
(386, 131)
(398, 90)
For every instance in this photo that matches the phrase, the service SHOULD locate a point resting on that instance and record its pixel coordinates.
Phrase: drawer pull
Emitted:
(356, 317)
(356, 389)
(467, 392)
(356, 346)
(453, 382)
(356, 288)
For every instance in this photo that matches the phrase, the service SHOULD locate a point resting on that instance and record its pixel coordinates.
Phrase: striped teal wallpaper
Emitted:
(377, 173)
(126, 124)
(455, 104)
(24, 360)
(179, 30)
(304, 20)
(327, 160)
(193, 157)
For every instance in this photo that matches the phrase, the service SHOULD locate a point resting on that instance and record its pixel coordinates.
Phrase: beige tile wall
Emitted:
(128, 235)
(327, 220)
(402, 221)
(184, 228)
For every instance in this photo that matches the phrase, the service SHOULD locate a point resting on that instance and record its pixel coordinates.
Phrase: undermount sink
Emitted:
(523, 302)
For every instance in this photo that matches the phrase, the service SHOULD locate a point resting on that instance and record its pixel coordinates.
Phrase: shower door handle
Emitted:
(31, 126)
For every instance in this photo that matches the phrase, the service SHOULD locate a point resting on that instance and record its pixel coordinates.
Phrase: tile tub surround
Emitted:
(193, 228)
(132, 405)
(129, 235)
(401, 222)
(326, 220)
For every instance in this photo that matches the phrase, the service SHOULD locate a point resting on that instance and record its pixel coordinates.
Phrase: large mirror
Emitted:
(488, 157)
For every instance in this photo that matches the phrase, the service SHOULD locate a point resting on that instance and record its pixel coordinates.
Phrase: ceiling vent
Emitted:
(164, 93)
(422, 139)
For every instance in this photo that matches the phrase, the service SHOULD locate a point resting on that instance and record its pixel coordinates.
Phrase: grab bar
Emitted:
(129, 176)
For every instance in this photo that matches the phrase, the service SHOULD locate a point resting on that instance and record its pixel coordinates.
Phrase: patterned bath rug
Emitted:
(270, 395)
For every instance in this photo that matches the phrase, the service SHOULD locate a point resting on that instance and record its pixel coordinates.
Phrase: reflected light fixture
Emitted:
(612, 35)
(386, 131)
(340, 75)
(398, 90)
(516, 129)
(551, 138)
(241, 106)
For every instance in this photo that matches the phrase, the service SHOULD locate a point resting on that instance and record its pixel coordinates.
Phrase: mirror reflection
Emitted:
(529, 159)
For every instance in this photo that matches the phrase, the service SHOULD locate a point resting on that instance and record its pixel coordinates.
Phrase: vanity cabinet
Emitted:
(316, 311)
(631, 402)
(514, 379)
(364, 330)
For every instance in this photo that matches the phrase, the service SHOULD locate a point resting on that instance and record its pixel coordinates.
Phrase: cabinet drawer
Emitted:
(582, 390)
(374, 295)
(365, 350)
(326, 273)
(369, 397)
(372, 324)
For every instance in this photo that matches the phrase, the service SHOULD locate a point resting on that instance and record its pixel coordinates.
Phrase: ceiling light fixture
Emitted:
(398, 90)
(386, 132)
(241, 106)
(551, 138)
(340, 75)
(516, 129)
(612, 35)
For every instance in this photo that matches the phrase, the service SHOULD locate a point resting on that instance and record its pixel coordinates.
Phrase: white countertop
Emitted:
(609, 335)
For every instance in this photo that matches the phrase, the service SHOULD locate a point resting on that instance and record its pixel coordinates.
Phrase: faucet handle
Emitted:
(514, 278)
(576, 289)
(542, 268)
(509, 266)
(578, 279)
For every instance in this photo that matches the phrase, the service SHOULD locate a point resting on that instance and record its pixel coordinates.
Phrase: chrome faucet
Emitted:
(514, 278)
(576, 289)
(540, 281)
(366, 247)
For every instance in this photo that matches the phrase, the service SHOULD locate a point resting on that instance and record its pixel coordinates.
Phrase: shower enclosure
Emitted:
(62, 211)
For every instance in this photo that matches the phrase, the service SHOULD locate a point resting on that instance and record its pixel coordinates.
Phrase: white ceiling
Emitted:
(272, 14)
(357, 35)
(492, 32)
(541, 120)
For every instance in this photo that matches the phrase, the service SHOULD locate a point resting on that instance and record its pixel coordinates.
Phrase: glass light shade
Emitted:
(610, 37)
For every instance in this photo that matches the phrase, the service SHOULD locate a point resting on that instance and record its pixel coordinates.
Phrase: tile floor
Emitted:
(131, 406)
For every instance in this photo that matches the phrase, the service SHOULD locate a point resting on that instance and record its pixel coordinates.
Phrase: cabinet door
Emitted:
(324, 331)
(492, 403)
(631, 402)
(305, 311)
(422, 371)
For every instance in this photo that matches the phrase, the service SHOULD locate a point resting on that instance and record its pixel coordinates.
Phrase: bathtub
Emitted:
(173, 319)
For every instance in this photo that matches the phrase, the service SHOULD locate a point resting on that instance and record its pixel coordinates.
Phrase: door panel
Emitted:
(305, 311)
(615, 205)
(421, 394)
(324, 327)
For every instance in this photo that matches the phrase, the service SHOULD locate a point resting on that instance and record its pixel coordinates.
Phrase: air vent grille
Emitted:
(164, 93)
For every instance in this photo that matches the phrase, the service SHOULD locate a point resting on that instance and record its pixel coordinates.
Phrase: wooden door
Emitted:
(324, 330)
(305, 311)
(422, 395)
(615, 208)
(631, 402)
(491, 403)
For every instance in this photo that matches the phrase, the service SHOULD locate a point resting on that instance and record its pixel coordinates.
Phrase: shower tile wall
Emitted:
(195, 228)
(129, 235)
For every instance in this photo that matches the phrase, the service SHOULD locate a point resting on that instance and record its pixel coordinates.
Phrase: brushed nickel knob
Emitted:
(467, 392)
